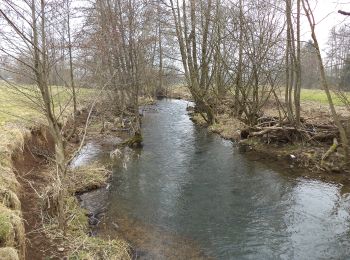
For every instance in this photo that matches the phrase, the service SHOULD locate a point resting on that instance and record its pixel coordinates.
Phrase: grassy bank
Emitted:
(26, 185)
(21, 104)
(12, 233)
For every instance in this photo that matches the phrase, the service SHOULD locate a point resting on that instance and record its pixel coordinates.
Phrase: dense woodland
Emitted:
(245, 54)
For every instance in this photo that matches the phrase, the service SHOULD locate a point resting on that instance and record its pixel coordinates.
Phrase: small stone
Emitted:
(60, 249)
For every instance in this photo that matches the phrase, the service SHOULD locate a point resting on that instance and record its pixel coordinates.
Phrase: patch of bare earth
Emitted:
(31, 173)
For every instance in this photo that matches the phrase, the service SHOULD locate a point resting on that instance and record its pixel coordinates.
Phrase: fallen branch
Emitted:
(331, 150)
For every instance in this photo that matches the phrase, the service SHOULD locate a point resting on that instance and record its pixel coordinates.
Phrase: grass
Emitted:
(88, 177)
(11, 223)
(8, 253)
(314, 95)
(11, 229)
(23, 103)
(78, 245)
(20, 107)
(318, 95)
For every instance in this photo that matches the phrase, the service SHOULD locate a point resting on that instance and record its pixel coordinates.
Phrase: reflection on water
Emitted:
(195, 185)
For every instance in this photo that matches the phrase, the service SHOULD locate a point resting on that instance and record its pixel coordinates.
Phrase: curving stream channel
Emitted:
(189, 194)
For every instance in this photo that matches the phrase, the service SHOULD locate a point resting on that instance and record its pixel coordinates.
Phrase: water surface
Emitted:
(196, 189)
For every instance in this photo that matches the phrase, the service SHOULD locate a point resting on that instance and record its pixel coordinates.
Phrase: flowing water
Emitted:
(190, 194)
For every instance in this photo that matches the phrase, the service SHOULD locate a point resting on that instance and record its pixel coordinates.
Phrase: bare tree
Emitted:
(31, 37)
(342, 130)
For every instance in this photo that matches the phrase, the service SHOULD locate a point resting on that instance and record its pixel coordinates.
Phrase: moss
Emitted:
(8, 253)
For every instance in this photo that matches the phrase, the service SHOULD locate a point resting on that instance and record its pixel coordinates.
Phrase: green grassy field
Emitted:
(23, 104)
(314, 95)
(318, 95)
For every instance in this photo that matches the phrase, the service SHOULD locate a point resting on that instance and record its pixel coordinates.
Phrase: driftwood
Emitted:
(331, 150)
(275, 130)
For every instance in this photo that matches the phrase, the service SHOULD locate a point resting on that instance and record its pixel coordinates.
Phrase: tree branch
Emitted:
(344, 13)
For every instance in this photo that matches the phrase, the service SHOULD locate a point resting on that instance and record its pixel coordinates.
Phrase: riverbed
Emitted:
(189, 194)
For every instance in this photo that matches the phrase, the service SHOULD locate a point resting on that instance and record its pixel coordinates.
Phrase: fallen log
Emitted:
(291, 133)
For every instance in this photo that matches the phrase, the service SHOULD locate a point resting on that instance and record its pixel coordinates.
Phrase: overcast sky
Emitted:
(326, 15)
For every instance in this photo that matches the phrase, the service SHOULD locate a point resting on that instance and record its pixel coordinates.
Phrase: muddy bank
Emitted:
(31, 168)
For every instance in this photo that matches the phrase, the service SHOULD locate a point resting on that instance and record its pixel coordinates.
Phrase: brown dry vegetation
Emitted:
(306, 154)
(27, 231)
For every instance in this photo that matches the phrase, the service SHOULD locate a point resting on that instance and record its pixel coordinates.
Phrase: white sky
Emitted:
(326, 15)
(325, 12)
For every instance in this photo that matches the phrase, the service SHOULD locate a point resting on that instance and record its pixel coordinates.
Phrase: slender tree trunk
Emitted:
(240, 62)
(297, 89)
(71, 70)
(342, 131)
(160, 34)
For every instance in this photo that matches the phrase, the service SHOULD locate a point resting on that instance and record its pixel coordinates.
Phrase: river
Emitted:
(190, 194)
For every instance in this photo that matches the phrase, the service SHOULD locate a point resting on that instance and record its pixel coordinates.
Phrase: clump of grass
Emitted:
(97, 248)
(180, 91)
(12, 232)
(143, 101)
(9, 199)
(77, 243)
(88, 177)
(10, 142)
(8, 253)
(12, 139)
(198, 119)
(8, 179)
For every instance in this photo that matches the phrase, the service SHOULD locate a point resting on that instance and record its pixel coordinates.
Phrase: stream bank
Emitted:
(302, 156)
(27, 230)
(305, 155)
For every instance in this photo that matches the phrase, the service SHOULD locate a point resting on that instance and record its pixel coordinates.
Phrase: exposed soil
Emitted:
(32, 175)
(33, 171)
